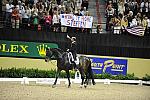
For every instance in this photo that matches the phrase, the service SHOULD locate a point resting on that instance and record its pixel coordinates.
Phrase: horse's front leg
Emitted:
(82, 77)
(68, 76)
(57, 75)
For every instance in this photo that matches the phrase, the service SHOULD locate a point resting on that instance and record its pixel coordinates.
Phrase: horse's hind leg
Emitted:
(92, 76)
(82, 77)
(57, 75)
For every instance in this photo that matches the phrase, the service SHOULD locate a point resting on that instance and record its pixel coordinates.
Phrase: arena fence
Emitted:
(77, 79)
(50, 81)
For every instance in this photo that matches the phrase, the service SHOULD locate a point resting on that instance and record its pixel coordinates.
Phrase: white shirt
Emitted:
(110, 12)
(148, 20)
(29, 12)
(56, 19)
(24, 14)
(133, 23)
(20, 8)
(121, 9)
(142, 5)
(9, 7)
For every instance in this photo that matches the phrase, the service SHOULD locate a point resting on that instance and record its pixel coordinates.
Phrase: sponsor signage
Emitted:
(109, 65)
(24, 49)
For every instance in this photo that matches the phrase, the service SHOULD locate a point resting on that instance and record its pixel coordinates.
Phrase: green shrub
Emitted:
(36, 73)
(31, 73)
(146, 78)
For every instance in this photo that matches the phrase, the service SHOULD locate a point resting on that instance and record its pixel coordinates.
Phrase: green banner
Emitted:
(24, 49)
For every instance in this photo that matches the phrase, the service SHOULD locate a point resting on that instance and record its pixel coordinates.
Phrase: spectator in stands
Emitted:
(99, 28)
(127, 7)
(41, 13)
(29, 14)
(9, 8)
(63, 10)
(144, 22)
(121, 8)
(130, 17)
(124, 22)
(149, 9)
(139, 19)
(115, 25)
(85, 3)
(86, 30)
(48, 21)
(144, 7)
(78, 13)
(77, 4)
(25, 17)
(109, 14)
(58, 2)
(69, 5)
(56, 20)
(135, 7)
(34, 10)
(83, 12)
(134, 22)
(35, 20)
(148, 26)
(15, 18)
(20, 7)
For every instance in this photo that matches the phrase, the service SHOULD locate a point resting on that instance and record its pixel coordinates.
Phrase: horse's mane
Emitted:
(58, 51)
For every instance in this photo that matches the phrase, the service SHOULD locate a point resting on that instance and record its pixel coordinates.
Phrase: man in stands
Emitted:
(9, 8)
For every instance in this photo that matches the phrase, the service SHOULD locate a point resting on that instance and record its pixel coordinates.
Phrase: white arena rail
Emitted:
(50, 81)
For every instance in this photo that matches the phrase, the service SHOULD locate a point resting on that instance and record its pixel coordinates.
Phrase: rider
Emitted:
(73, 49)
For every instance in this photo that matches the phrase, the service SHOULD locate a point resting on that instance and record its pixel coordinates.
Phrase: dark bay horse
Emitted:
(63, 64)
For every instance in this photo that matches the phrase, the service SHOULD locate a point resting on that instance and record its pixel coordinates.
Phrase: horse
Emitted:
(63, 63)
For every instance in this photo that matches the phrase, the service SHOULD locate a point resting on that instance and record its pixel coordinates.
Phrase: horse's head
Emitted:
(53, 53)
(49, 54)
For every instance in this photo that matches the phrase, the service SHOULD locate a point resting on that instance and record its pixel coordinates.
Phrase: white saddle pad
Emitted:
(77, 61)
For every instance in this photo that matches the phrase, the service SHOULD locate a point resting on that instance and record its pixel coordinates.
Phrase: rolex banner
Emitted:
(24, 49)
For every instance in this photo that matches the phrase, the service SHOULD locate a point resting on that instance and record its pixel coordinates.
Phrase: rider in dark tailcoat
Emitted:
(73, 48)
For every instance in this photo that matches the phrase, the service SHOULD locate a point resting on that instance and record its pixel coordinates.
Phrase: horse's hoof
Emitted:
(85, 85)
(94, 83)
(69, 86)
(81, 86)
(53, 86)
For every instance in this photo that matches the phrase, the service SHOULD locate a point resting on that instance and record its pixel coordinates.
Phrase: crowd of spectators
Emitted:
(43, 14)
(127, 13)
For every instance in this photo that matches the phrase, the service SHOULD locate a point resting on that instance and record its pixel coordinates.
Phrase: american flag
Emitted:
(136, 30)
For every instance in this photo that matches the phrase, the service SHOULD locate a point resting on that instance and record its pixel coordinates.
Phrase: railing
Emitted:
(50, 81)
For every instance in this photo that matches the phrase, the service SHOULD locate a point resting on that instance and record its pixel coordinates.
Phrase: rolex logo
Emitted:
(42, 50)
